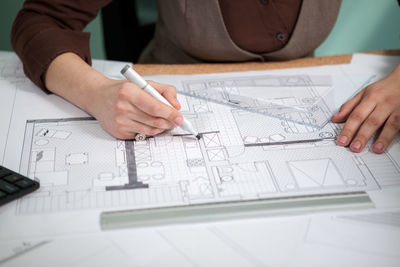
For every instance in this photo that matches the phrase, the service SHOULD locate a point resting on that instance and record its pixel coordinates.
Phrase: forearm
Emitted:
(396, 71)
(73, 79)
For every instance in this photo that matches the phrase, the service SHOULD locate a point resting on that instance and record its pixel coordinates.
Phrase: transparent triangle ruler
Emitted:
(302, 99)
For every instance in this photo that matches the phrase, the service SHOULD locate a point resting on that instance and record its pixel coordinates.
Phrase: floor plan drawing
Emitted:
(238, 158)
(242, 155)
(239, 127)
(302, 99)
(296, 107)
(81, 167)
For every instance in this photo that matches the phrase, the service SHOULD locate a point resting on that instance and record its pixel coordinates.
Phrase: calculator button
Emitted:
(4, 172)
(14, 185)
(24, 183)
(12, 178)
(8, 188)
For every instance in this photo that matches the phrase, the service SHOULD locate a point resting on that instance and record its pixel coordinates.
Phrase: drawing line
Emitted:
(23, 251)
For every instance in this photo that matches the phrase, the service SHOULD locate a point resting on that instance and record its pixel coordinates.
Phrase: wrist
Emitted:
(73, 79)
(92, 90)
(98, 92)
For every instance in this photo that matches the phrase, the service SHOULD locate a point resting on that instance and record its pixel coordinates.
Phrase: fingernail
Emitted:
(378, 146)
(178, 120)
(356, 145)
(342, 139)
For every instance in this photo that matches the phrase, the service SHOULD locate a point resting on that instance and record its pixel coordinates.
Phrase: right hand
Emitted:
(123, 109)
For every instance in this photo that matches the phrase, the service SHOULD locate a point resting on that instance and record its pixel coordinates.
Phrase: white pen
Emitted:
(132, 76)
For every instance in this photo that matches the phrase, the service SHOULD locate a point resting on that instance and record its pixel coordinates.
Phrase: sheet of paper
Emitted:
(352, 238)
(366, 239)
(380, 65)
(346, 80)
(84, 171)
(10, 76)
(24, 102)
(110, 68)
(81, 167)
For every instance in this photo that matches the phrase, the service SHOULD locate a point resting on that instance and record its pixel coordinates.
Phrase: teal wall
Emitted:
(10, 8)
(363, 25)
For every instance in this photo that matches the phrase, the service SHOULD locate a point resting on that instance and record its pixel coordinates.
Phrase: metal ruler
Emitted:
(221, 211)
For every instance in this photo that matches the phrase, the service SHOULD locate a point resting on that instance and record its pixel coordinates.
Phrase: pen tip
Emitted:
(198, 136)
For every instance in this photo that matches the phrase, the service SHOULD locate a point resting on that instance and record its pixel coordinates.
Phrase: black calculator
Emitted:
(14, 185)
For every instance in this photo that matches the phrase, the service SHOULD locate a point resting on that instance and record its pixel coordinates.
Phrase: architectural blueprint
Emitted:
(242, 155)
(238, 158)
(295, 107)
(303, 99)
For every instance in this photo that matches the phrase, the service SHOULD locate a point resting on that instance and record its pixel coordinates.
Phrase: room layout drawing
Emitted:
(242, 155)
(298, 105)
(302, 99)
(80, 166)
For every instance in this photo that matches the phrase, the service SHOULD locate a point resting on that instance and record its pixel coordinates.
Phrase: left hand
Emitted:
(376, 107)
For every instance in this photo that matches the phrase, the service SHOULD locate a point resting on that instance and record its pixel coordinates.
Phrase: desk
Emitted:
(367, 238)
(155, 69)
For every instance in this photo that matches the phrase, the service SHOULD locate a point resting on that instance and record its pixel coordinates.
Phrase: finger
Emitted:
(149, 104)
(355, 119)
(374, 121)
(347, 108)
(156, 122)
(168, 91)
(126, 109)
(388, 133)
(129, 128)
(155, 108)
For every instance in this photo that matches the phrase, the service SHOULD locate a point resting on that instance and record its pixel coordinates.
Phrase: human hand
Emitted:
(376, 107)
(123, 109)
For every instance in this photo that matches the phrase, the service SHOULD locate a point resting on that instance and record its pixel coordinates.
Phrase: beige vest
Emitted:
(193, 31)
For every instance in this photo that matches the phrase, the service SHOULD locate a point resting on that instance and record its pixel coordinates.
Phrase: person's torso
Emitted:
(190, 31)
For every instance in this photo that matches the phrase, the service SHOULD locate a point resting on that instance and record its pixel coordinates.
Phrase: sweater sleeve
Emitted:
(44, 29)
